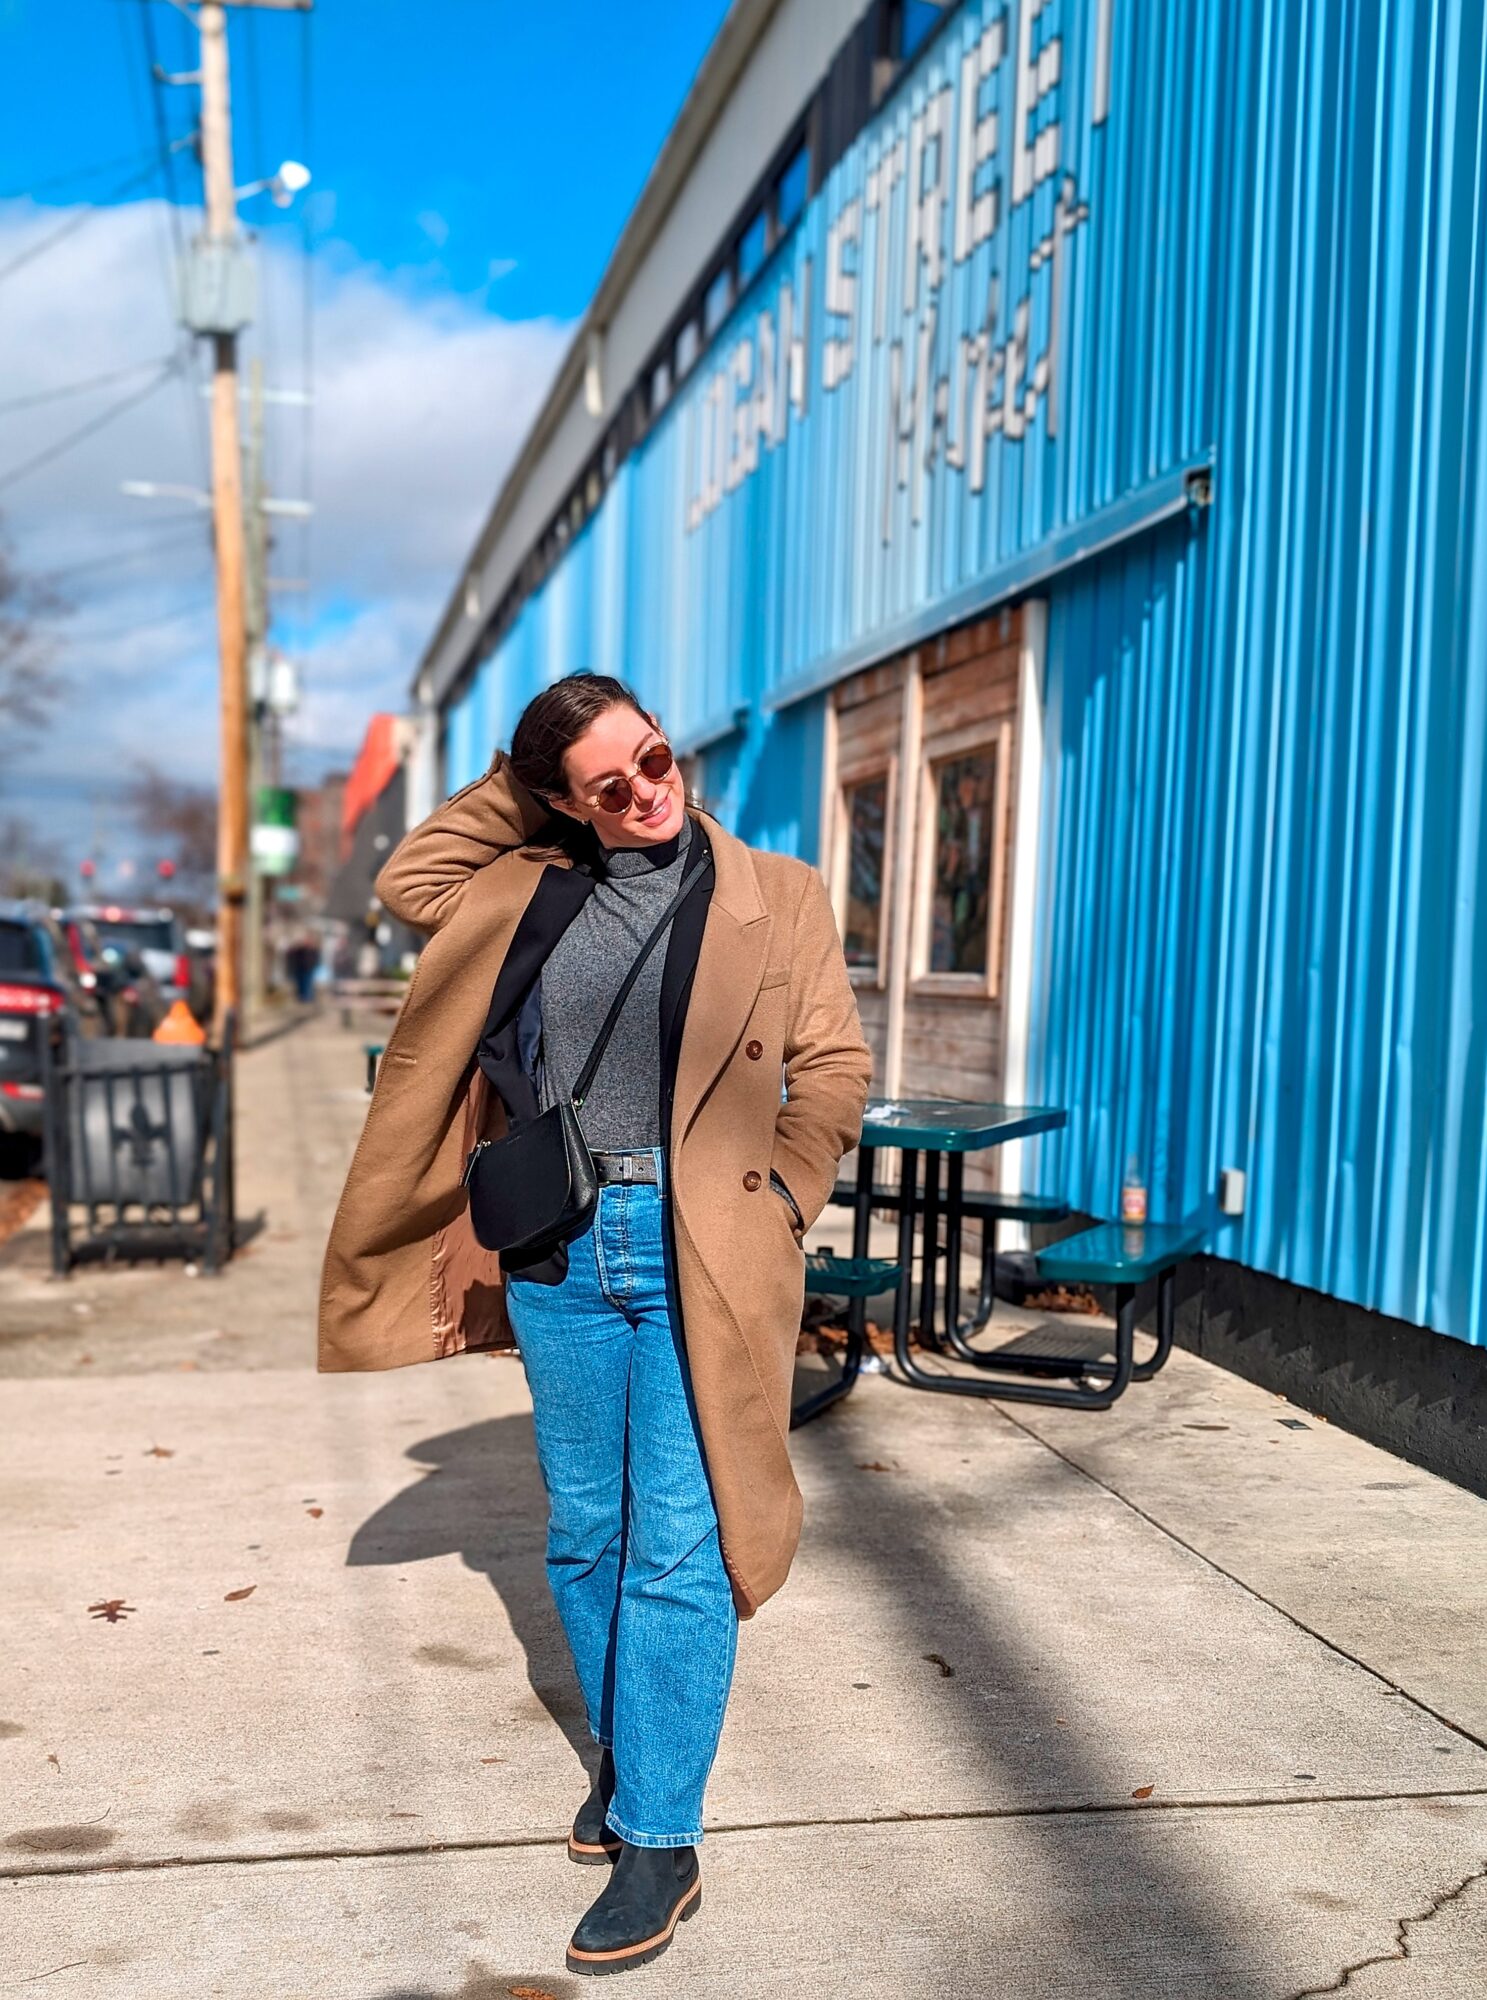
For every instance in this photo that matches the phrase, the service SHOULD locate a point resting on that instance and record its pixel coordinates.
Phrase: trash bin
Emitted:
(139, 1137)
(139, 1117)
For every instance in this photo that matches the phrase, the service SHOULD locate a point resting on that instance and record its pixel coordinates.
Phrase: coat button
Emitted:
(753, 1181)
(754, 1051)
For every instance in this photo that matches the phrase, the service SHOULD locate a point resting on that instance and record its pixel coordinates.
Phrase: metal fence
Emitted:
(139, 1150)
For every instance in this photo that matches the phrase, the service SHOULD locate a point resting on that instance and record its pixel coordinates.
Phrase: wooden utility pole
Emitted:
(227, 517)
(257, 549)
(217, 308)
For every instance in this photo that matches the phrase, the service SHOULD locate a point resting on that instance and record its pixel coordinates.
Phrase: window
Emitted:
(791, 190)
(753, 248)
(687, 346)
(20, 949)
(866, 812)
(660, 387)
(716, 301)
(965, 818)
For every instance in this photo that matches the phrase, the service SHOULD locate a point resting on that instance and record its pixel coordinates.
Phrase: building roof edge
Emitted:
(717, 73)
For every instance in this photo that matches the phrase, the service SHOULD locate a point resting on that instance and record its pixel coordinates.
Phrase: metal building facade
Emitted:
(1087, 255)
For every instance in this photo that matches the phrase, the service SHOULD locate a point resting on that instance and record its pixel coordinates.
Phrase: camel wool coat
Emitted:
(404, 1278)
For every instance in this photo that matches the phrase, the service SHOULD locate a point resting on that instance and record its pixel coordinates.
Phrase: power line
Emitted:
(127, 628)
(88, 429)
(196, 420)
(39, 396)
(174, 530)
(76, 174)
(79, 221)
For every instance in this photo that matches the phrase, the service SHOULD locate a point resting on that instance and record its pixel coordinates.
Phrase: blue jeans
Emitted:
(632, 1540)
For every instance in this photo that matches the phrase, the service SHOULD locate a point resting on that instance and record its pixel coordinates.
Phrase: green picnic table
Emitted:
(927, 1127)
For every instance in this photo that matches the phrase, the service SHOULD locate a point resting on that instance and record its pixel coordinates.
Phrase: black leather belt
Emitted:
(625, 1168)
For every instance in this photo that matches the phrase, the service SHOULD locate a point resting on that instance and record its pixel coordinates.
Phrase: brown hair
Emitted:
(552, 722)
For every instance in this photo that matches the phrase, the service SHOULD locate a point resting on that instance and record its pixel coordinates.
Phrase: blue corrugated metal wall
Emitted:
(1265, 729)
(1265, 837)
(770, 523)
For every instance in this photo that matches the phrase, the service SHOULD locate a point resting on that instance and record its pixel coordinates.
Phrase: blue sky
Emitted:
(473, 164)
(526, 131)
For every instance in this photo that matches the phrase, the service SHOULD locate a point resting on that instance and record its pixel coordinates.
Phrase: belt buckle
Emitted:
(627, 1168)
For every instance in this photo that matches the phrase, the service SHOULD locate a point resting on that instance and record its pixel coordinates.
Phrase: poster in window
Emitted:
(965, 817)
(867, 816)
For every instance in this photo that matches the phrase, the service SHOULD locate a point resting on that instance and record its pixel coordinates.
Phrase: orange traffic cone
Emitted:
(180, 1025)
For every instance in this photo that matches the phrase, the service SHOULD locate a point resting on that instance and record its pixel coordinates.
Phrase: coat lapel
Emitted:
(730, 971)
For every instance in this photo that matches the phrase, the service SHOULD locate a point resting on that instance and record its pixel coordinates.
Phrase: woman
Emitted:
(659, 1344)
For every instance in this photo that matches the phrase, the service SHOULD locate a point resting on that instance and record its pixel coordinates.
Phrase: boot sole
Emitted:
(591, 1853)
(600, 1962)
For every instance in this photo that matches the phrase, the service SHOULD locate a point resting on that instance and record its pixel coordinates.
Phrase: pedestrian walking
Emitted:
(609, 961)
(303, 962)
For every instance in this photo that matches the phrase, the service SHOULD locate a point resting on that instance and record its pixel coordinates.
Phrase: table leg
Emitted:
(908, 1186)
(862, 1223)
(1076, 1398)
(929, 1253)
(955, 1174)
(1166, 1318)
(862, 1215)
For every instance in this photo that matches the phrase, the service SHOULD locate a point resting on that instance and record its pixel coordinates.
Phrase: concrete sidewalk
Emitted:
(1177, 1701)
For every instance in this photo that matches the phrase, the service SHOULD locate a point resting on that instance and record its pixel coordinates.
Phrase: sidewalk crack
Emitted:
(1402, 1928)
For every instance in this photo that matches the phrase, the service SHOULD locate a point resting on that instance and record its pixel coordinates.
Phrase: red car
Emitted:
(39, 986)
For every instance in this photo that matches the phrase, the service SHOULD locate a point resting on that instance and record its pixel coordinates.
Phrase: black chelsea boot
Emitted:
(591, 1840)
(651, 1891)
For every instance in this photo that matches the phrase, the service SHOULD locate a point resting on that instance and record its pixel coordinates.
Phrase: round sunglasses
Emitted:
(617, 795)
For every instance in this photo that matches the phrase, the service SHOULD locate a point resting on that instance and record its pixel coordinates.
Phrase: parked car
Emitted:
(39, 986)
(159, 936)
(129, 995)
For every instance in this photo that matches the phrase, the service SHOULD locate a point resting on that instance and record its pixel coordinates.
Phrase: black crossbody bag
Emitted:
(537, 1187)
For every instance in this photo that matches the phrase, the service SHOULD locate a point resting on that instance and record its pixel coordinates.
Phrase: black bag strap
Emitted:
(611, 1020)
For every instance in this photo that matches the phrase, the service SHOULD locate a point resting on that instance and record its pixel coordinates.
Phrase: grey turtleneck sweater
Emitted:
(583, 973)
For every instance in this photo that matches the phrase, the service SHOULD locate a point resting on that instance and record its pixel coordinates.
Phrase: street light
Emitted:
(155, 489)
(151, 489)
(281, 187)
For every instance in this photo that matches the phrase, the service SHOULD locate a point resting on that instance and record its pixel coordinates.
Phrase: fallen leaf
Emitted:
(82, 1359)
(947, 1672)
(397, 1815)
(873, 1465)
(493, 1760)
(111, 1608)
(1205, 1427)
(158, 1451)
(1062, 1299)
(1062, 1721)
(51, 1757)
(237, 1596)
(516, 1992)
(1143, 1791)
(314, 1512)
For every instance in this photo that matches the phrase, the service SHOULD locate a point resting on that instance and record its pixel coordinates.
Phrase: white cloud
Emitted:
(421, 402)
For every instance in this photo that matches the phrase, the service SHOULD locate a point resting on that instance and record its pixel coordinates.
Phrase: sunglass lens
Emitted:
(616, 796)
(656, 764)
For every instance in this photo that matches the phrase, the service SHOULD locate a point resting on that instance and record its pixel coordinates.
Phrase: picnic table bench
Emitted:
(379, 997)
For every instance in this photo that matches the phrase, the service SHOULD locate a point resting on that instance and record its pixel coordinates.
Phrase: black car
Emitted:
(39, 987)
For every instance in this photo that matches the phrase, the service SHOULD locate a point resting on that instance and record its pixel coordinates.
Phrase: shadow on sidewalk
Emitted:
(1138, 1903)
(482, 1498)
